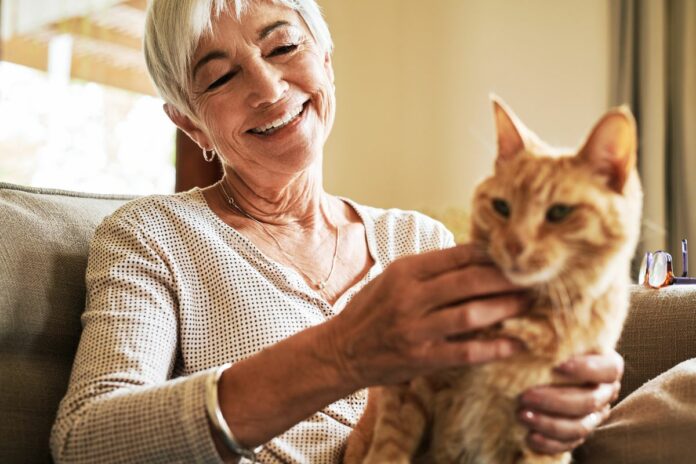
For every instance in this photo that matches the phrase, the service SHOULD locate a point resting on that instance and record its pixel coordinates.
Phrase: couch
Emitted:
(44, 239)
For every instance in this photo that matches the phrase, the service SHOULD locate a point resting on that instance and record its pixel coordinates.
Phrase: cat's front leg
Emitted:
(403, 413)
(359, 440)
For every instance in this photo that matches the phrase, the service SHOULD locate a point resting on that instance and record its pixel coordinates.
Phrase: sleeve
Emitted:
(439, 235)
(447, 238)
(121, 405)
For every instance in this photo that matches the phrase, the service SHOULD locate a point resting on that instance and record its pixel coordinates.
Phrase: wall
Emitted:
(414, 127)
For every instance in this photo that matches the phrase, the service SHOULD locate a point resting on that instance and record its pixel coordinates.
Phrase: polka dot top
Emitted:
(172, 293)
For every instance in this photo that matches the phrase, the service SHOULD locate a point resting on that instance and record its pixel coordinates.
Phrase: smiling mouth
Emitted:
(283, 121)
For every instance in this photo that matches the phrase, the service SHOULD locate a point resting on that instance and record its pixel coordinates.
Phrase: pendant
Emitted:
(320, 285)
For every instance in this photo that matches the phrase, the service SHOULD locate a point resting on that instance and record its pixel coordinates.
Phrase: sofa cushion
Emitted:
(655, 418)
(654, 424)
(44, 239)
(659, 333)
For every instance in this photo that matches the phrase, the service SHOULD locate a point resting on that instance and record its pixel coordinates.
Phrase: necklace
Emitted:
(317, 284)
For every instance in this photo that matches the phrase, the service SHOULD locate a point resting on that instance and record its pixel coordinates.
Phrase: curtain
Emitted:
(654, 71)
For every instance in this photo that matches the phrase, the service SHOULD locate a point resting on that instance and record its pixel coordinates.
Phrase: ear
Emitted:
(610, 149)
(508, 129)
(185, 123)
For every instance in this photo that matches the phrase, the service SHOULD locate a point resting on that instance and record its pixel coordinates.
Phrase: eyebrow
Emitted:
(213, 55)
(263, 33)
(218, 54)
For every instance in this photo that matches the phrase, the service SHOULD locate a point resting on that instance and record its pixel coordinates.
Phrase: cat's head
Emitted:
(546, 214)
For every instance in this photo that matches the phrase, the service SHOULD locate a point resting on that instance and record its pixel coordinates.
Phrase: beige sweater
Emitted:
(172, 293)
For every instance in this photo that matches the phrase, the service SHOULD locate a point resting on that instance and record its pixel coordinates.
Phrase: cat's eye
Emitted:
(501, 207)
(558, 212)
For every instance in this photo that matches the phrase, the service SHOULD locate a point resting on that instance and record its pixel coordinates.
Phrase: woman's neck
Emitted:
(295, 202)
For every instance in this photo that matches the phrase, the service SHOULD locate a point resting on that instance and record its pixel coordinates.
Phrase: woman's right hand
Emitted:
(404, 323)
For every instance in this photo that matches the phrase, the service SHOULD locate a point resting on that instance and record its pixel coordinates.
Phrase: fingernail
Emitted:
(566, 368)
(528, 398)
(516, 346)
(529, 300)
(527, 416)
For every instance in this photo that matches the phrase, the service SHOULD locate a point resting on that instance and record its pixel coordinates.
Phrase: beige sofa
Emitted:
(44, 238)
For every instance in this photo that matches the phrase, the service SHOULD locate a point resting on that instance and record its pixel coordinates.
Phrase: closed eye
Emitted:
(222, 80)
(284, 50)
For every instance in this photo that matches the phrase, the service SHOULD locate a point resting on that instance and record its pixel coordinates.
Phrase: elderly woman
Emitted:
(253, 314)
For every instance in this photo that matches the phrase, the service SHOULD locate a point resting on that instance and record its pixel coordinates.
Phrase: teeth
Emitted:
(280, 122)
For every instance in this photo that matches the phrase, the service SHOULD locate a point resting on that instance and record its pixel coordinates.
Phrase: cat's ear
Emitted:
(509, 131)
(610, 149)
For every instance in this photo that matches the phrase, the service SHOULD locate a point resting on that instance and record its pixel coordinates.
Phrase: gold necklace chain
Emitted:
(318, 284)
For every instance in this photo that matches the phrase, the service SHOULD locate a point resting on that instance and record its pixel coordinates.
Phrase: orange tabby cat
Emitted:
(564, 225)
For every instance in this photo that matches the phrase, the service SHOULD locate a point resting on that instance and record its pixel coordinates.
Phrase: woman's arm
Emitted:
(397, 327)
(121, 405)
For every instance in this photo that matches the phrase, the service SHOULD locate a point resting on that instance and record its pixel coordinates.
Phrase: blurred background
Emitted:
(414, 127)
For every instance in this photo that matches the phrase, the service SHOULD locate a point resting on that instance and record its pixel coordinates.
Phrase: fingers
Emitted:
(436, 262)
(389, 331)
(569, 401)
(553, 435)
(544, 445)
(470, 316)
(593, 368)
(563, 429)
(456, 354)
(469, 282)
(560, 418)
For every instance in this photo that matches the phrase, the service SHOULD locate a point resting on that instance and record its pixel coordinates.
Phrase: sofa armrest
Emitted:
(655, 418)
(660, 333)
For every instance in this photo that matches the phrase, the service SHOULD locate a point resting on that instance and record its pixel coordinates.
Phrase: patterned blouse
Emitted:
(172, 293)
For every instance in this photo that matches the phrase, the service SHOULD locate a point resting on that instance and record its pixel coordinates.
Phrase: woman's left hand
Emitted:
(560, 418)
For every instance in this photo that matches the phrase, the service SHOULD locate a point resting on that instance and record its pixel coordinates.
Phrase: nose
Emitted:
(266, 84)
(514, 245)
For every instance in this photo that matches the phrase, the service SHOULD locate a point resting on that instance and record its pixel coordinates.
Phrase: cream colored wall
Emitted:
(414, 127)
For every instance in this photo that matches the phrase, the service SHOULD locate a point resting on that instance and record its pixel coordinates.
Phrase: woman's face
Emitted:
(263, 91)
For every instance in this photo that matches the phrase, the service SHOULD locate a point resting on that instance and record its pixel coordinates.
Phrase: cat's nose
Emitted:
(514, 246)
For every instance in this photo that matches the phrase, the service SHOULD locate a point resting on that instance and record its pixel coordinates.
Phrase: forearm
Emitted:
(149, 423)
(268, 393)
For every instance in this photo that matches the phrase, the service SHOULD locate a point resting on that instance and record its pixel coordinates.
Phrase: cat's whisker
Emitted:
(653, 226)
(557, 303)
(570, 303)
(566, 304)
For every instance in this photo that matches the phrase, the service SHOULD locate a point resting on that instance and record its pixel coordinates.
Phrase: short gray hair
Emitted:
(174, 27)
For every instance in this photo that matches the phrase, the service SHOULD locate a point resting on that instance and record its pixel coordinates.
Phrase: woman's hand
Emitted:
(409, 321)
(560, 418)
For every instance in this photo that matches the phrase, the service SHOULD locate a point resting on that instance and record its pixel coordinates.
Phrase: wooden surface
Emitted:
(191, 169)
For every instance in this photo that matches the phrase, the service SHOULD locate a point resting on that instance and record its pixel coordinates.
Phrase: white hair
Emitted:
(174, 27)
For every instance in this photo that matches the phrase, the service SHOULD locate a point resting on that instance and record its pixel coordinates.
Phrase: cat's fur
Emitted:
(578, 270)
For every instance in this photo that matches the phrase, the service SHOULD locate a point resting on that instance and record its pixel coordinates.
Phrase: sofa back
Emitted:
(44, 239)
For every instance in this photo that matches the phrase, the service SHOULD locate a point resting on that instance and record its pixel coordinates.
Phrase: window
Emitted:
(77, 109)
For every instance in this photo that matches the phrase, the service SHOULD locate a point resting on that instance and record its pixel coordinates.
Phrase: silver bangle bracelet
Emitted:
(212, 406)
